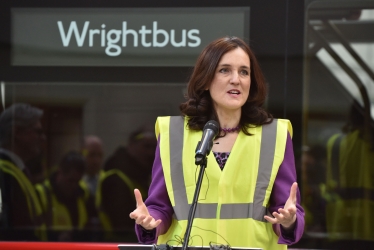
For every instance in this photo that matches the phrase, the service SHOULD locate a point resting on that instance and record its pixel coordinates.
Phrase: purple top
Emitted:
(159, 205)
(221, 158)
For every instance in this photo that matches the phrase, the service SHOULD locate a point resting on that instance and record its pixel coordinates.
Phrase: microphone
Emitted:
(204, 146)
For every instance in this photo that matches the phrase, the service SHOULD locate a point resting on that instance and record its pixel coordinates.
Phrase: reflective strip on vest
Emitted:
(104, 218)
(25, 185)
(34, 206)
(253, 210)
(335, 158)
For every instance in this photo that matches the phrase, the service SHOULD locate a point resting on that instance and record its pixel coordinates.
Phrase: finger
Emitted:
(270, 219)
(291, 210)
(140, 219)
(147, 221)
(278, 217)
(293, 192)
(133, 215)
(138, 197)
(156, 223)
(285, 213)
(152, 225)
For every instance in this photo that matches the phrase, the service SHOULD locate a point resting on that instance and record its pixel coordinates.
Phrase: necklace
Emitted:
(230, 130)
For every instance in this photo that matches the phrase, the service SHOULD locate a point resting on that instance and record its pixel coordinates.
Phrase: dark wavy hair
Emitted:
(199, 105)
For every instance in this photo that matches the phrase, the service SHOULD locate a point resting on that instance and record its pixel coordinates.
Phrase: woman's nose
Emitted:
(234, 78)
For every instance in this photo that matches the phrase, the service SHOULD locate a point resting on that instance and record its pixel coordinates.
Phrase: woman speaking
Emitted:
(249, 196)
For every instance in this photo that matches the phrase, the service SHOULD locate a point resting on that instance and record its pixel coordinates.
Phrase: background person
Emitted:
(349, 187)
(65, 203)
(21, 143)
(128, 168)
(250, 177)
(93, 153)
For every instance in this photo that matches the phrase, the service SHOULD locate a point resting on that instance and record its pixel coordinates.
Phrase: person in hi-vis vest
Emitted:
(21, 142)
(65, 202)
(349, 187)
(249, 195)
(128, 167)
(93, 152)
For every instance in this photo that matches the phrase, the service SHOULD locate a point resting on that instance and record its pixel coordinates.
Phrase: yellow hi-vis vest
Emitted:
(349, 190)
(85, 185)
(60, 218)
(33, 204)
(232, 202)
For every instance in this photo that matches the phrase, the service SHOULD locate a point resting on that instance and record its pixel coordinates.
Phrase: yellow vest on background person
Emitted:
(104, 218)
(233, 202)
(33, 205)
(85, 186)
(57, 212)
(349, 190)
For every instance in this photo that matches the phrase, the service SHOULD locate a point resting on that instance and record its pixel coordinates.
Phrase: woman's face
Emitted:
(231, 83)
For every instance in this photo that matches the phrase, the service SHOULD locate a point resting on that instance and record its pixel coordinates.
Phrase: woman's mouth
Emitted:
(234, 92)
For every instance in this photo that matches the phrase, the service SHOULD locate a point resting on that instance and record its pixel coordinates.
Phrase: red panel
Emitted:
(56, 245)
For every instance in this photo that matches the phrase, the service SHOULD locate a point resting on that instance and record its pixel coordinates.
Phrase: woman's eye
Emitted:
(224, 70)
(244, 72)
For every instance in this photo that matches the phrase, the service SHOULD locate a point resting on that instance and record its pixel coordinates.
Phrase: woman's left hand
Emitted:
(286, 216)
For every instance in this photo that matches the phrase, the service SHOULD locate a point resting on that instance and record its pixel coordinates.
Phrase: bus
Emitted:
(101, 72)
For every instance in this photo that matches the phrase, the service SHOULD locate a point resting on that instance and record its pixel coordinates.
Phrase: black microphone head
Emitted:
(213, 125)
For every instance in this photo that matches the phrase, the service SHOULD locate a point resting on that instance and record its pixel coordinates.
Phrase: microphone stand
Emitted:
(191, 214)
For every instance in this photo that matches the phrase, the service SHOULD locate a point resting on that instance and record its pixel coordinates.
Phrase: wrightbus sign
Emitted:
(113, 40)
(120, 37)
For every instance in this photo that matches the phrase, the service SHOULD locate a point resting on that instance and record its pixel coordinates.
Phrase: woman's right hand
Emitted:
(141, 214)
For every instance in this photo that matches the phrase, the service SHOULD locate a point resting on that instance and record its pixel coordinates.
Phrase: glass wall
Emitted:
(338, 114)
(81, 87)
(95, 123)
(97, 74)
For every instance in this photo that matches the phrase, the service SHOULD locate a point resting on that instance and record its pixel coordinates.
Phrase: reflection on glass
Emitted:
(65, 203)
(348, 188)
(338, 157)
(127, 168)
(21, 146)
(71, 155)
